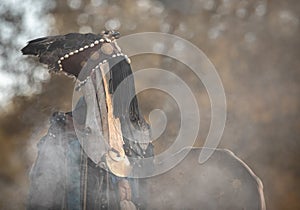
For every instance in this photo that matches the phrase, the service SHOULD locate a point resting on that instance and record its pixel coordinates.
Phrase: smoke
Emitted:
(254, 46)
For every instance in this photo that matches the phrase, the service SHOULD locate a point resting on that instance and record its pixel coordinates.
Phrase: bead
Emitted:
(95, 56)
(107, 49)
(82, 63)
(52, 135)
(127, 59)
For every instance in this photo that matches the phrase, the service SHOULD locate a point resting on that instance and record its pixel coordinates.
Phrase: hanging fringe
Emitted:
(120, 72)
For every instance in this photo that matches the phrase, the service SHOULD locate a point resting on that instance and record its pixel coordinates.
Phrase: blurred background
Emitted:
(254, 45)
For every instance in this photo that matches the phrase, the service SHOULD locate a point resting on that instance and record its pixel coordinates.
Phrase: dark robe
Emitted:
(64, 177)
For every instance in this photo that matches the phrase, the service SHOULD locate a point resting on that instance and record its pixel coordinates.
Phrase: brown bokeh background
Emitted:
(254, 45)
